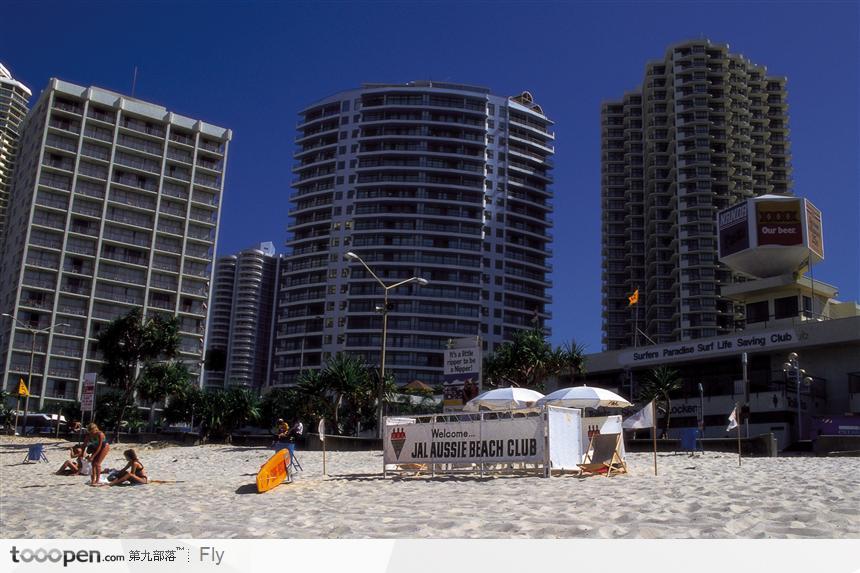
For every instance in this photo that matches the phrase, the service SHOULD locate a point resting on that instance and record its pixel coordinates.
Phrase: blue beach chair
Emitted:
(690, 441)
(294, 461)
(36, 453)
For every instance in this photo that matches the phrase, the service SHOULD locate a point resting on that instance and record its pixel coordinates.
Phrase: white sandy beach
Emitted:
(703, 497)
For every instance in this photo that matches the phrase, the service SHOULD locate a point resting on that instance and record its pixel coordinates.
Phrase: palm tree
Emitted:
(346, 378)
(659, 384)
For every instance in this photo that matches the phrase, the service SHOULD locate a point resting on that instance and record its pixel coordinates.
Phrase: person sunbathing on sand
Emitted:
(73, 466)
(133, 472)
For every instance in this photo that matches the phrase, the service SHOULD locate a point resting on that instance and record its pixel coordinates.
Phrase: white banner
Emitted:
(466, 441)
(565, 438)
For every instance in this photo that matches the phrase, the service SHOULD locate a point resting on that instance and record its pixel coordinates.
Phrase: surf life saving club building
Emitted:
(793, 363)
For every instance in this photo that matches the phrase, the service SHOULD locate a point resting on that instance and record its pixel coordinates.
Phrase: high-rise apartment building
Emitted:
(707, 128)
(13, 109)
(441, 181)
(115, 206)
(239, 344)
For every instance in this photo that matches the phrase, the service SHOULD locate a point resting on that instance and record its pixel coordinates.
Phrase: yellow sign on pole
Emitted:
(22, 388)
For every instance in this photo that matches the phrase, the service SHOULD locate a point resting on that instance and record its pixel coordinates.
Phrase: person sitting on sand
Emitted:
(73, 465)
(283, 430)
(133, 473)
(98, 448)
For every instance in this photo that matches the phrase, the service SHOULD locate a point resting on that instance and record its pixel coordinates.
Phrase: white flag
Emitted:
(644, 418)
(733, 419)
(321, 429)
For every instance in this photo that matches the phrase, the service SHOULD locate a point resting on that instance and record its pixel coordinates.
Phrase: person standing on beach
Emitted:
(99, 448)
(296, 432)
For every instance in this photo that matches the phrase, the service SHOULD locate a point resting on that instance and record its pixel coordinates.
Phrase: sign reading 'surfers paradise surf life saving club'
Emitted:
(476, 441)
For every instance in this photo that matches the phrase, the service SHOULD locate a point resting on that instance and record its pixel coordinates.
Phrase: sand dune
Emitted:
(703, 497)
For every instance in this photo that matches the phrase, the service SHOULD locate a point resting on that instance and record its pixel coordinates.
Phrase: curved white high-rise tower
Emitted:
(13, 109)
(436, 180)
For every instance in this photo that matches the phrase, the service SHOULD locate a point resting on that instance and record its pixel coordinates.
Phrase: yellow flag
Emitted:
(22, 388)
(633, 298)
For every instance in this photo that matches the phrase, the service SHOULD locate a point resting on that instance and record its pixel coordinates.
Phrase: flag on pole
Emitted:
(733, 419)
(22, 388)
(641, 419)
(633, 298)
(321, 429)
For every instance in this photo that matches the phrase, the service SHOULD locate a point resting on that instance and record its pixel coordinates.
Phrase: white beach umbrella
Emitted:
(584, 397)
(504, 399)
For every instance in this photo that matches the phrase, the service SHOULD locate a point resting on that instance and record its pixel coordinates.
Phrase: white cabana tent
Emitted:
(584, 397)
(504, 399)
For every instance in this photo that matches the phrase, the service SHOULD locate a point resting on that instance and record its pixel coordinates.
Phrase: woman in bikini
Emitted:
(133, 472)
(98, 448)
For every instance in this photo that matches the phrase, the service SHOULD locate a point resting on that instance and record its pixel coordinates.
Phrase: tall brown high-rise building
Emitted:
(706, 128)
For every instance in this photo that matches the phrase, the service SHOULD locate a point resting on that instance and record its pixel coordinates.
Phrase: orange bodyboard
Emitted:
(274, 471)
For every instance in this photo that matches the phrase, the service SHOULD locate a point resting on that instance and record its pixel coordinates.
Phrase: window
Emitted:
(785, 307)
(807, 306)
(344, 105)
(757, 311)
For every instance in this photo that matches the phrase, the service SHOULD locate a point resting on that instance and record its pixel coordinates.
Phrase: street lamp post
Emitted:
(350, 256)
(33, 332)
(794, 372)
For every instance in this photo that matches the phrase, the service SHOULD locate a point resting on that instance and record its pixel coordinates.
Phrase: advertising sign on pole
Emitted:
(461, 376)
(815, 235)
(88, 396)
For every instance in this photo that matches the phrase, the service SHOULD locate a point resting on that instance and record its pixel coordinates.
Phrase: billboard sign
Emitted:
(778, 223)
(734, 233)
(461, 376)
(814, 232)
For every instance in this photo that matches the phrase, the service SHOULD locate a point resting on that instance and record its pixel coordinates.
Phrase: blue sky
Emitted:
(251, 66)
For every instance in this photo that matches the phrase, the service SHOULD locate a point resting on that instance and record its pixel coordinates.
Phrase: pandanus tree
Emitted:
(527, 361)
(161, 380)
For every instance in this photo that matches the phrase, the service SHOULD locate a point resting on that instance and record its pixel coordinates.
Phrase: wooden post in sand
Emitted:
(737, 415)
(654, 431)
(321, 430)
